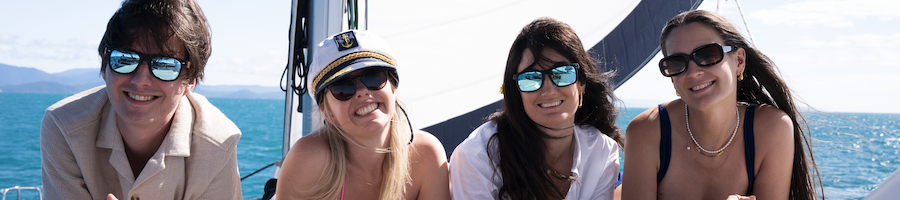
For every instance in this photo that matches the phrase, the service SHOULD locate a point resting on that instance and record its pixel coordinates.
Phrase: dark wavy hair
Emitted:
(519, 142)
(160, 20)
(761, 85)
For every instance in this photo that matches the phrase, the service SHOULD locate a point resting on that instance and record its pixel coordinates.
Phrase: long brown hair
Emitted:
(761, 85)
(519, 142)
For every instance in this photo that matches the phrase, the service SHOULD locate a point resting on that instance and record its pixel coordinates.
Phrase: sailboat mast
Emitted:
(312, 21)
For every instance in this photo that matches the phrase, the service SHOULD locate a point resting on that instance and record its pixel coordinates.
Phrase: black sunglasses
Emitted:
(343, 89)
(561, 75)
(704, 56)
(164, 68)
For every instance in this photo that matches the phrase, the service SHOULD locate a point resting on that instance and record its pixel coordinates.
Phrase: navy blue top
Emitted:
(665, 144)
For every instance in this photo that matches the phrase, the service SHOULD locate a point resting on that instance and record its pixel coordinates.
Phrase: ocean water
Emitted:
(854, 151)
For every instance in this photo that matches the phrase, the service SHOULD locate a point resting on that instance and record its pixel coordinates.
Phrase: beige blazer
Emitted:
(83, 155)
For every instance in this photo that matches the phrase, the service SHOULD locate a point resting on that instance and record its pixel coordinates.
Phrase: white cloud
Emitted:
(6, 43)
(870, 93)
(259, 64)
(5, 48)
(873, 40)
(871, 50)
(6, 38)
(829, 13)
(48, 49)
(810, 42)
(843, 73)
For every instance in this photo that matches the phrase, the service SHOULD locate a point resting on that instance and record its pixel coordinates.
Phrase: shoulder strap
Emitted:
(749, 145)
(665, 143)
(342, 187)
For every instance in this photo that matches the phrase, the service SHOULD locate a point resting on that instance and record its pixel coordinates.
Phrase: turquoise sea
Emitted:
(854, 151)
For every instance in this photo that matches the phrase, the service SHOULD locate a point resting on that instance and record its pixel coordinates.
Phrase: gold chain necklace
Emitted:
(704, 166)
(556, 174)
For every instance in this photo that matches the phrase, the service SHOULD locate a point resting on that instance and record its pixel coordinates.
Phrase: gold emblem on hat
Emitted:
(347, 42)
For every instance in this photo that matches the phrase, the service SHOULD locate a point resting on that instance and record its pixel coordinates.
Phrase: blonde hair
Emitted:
(395, 167)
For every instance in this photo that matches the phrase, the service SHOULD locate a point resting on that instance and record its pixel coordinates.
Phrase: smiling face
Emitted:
(550, 106)
(702, 87)
(141, 100)
(366, 113)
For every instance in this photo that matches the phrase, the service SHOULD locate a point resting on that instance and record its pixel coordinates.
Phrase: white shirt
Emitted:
(596, 166)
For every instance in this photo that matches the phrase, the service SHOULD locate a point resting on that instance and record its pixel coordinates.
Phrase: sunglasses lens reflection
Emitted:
(166, 68)
(564, 76)
(530, 81)
(343, 89)
(707, 56)
(123, 62)
(374, 80)
(673, 65)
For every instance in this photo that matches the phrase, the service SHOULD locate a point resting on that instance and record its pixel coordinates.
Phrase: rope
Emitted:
(750, 35)
(258, 170)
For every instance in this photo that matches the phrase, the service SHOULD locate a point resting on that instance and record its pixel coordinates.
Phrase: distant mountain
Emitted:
(40, 87)
(12, 75)
(240, 91)
(31, 80)
(89, 77)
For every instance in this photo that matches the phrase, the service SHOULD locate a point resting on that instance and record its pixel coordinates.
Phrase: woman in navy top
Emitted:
(734, 131)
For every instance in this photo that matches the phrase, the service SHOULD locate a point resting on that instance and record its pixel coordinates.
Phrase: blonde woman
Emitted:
(366, 149)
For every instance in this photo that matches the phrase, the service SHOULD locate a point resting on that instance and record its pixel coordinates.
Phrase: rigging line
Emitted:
(696, 4)
(717, 5)
(299, 47)
(750, 35)
(258, 170)
(352, 10)
(281, 82)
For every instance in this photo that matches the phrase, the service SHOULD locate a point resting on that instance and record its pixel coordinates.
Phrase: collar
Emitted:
(108, 135)
(578, 150)
(178, 140)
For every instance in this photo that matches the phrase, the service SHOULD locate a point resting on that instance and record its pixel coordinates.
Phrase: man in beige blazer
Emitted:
(144, 134)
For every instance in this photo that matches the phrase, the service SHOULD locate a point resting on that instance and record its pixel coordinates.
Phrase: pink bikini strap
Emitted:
(342, 189)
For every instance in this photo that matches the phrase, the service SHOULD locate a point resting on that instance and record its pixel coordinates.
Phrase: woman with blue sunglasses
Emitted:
(366, 148)
(555, 138)
(733, 134)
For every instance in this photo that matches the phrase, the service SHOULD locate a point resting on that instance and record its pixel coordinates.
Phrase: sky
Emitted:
(836, 55)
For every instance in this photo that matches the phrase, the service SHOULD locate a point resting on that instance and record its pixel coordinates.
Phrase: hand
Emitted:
(739, 197)
(110, 196)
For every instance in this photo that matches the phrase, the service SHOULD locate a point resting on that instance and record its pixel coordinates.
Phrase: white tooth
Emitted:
(139, 97)
(366, 110)
(701, 86)
(555, 103)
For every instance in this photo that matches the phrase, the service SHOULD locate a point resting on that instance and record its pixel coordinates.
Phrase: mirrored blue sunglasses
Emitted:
(164, 68)
(561, 76)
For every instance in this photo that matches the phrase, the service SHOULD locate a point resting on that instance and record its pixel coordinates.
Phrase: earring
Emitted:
(741, 77)
(676, 94)
(501, 88)
(580, 99)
